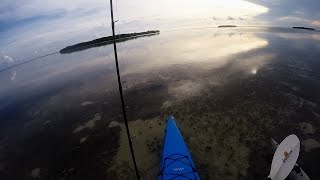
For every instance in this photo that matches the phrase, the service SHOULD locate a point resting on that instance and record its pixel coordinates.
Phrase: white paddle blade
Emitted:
(285, 158)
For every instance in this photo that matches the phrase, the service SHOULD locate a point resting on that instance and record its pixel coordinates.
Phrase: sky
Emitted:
(36, 27)
(290, 12)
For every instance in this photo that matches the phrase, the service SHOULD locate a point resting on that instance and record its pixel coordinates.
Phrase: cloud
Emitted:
(19, 9)
(7, 59)
(13, 75)
(316, 23)
(47, 34)
(297, 12)
(230, 18)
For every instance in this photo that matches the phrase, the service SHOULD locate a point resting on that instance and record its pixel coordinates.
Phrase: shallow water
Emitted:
(230, 91)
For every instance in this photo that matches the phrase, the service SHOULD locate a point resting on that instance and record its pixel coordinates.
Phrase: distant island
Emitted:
(226, 26)
(106, 41)
(306, 28)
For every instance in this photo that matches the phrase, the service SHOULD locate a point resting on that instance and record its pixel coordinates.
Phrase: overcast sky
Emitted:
(290, 12)
(35, 27)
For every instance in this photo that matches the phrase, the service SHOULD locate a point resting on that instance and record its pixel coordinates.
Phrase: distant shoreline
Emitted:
(306, 28)
(226, 26)
(106, 40)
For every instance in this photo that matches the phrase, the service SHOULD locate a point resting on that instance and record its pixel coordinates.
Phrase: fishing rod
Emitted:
(121, 94)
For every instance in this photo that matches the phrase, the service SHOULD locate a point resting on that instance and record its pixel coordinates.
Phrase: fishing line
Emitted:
(30, 60)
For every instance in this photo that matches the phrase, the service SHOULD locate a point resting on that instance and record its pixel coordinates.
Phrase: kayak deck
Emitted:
(176, 161)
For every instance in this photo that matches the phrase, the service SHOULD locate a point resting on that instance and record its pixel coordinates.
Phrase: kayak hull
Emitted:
(176, 160)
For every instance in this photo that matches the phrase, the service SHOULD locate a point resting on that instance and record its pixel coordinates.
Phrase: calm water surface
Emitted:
(230, 91)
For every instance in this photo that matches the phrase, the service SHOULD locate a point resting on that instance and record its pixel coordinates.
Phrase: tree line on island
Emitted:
(106, 41)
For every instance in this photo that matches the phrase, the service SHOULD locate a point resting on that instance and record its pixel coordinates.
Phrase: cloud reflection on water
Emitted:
(209, 49)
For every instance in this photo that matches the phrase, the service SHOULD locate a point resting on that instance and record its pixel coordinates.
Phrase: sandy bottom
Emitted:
(147, 138)
(90, 124)
(86, 103)
(310, 144)
(218, 148)
(307, 128)
(35, 173)
(227, 129)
